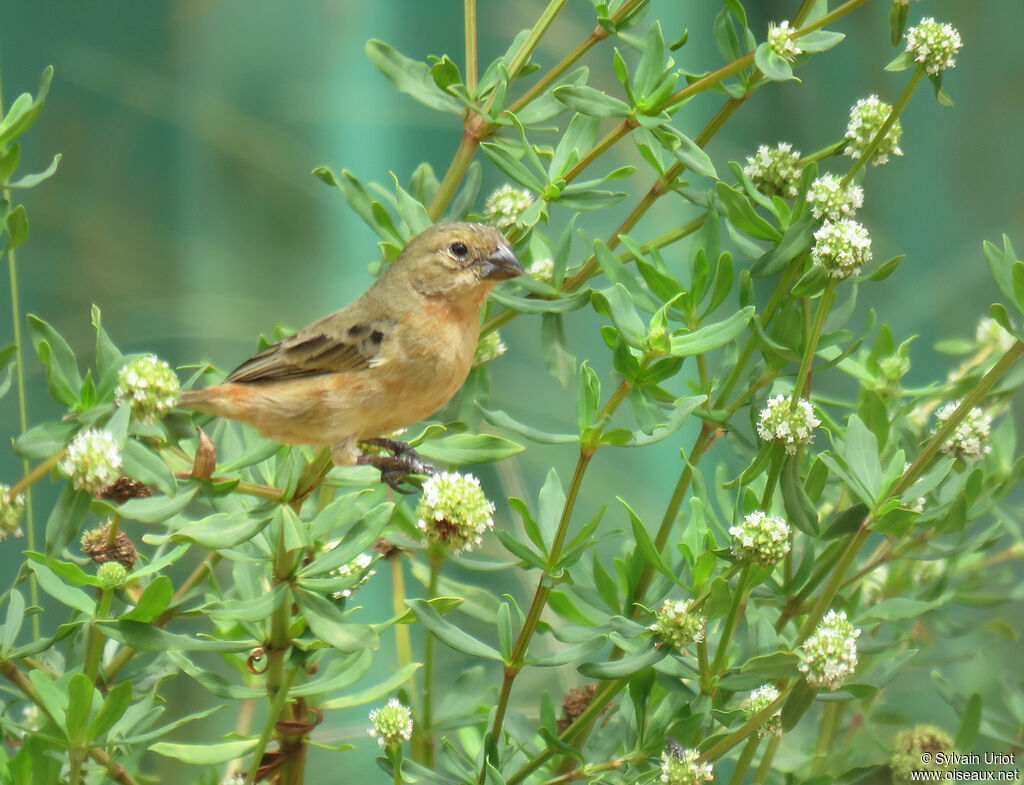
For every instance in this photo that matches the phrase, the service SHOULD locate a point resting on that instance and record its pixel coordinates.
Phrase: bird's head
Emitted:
(457, 261)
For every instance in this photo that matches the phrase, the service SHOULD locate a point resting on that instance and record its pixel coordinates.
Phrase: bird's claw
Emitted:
(395, 469)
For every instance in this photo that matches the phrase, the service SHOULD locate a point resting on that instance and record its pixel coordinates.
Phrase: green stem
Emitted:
(767, 759)
(826, 735)
(520, 58)
(472, 68)
(94, 644)
(726, 743)
(749, 749)
(403, 642)
(427, 744)
(801, 388)
(19, 372)
(456, 171)
(278, 645)
(732, 620)
(277, 707)
(876, 140)
(774, 472)
(704, 667)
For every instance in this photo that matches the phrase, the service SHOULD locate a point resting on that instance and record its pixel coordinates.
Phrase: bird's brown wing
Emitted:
(335, 344)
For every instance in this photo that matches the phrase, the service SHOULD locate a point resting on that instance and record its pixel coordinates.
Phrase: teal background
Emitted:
(185, 209)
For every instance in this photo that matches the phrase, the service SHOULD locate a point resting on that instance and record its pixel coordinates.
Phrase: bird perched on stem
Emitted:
(393, 357)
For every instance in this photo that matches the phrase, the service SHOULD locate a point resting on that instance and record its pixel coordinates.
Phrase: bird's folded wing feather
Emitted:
(338, 343)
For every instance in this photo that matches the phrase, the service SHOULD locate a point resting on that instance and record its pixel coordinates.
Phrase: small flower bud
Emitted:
(830, 654)
(542, 270)
(759, 700)
(149, 386)
(841, 248)
(490, 347)
(763, 539)
(93, 460)
(11, 510)
(866, 119)
(391, 724)
(453, 512)
(775, 171)
(505, 205)
(908, 757)
(934, 44)
(830, 199)
(970, 437)
(112, 575)
(778, 422)
(205, 460)
(782, 40)
(676, 625)
(684, 767)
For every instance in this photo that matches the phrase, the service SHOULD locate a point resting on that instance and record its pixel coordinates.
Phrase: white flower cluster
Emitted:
(149, 386)
(360, 567)
(11, 510)
(93, 460)
(779, 422)
(830, 199)
(866, 119)
(782, 40)
(759, 700)
(761, 538)
(970, 437)
(830, 654)
(676, 625)
(505, 205)
(841, 248)
(934, 44)
(391, 724)
(774, 170)
(490, 347)
(542, 269)
(684, 767)
(990, 333)
(454, 512)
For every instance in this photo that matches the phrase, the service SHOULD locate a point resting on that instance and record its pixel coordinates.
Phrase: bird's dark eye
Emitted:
(459, 250)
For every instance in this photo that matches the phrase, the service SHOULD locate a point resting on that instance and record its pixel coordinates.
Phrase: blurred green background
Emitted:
(185, 209)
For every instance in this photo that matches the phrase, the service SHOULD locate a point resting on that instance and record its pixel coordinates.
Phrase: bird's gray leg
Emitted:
(402, 451)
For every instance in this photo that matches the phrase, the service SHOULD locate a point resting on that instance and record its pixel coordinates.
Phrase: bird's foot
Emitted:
(394, 469)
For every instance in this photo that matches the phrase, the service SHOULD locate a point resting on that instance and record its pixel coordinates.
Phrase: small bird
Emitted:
(393, 357)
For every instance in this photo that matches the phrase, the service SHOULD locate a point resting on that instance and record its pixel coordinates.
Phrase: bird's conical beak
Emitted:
(500, 265)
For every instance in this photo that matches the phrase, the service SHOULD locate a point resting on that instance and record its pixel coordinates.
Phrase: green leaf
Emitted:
(502, 420)
(154, 600)
(711, 336)
(156, 509)
(800, 510)
(205, 754)
(331, 626)
(61, 369)
(32, 180)
(79, 706)
(463, 449)
(512, 166)
(819, 40)
(449, 634)
(626, 666)
(56, 588)
(588, 101)
(616, 304)
(537, 305)
(411, 77)
(550, 507)
(645, 546)
(681, 410)
(53, 698)
(860, 452)
(413, 212)
(113, 708)
(970, 724)
(146, 637)
(897, 608)
(771, 64)
(778, 665)
(66, 518)
(221, 530)
(12, 623)
(796, 705)
(143, 464)
(741, 214)
(902, 62)
(588, 397)
(25, 110)
(579, 136)
(1000, 265)
(689, 153)
(377, 691)
(258, 607)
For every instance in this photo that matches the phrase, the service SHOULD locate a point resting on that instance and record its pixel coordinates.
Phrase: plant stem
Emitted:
(766, 760)
(801, 388)
(729, 741)
(469, 12)
(426, 737)
(94, 644)
(403, 642)
(749, 749)
(876, 140)
(732, 620)
(277, 707)
(278, 644)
